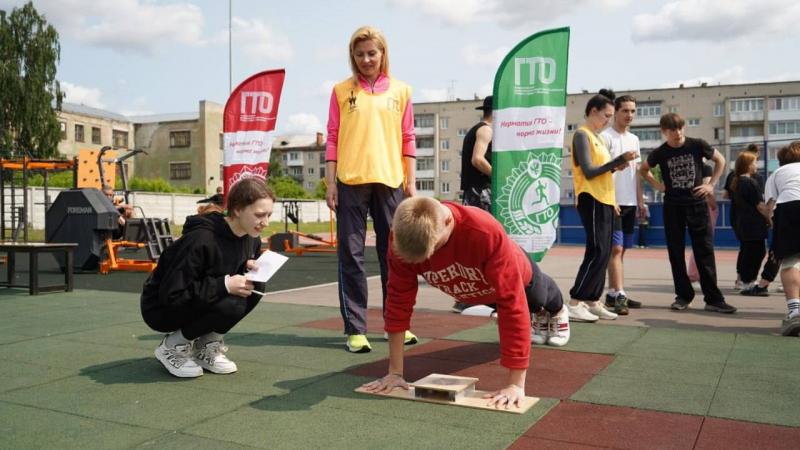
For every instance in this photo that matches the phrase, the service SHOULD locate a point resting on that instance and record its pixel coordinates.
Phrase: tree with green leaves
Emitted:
(30, 95)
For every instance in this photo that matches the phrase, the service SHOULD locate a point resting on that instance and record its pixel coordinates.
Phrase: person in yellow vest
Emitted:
(370, 166)
(592, 167)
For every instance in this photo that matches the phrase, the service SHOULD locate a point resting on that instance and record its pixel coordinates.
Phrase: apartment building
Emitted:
(93, 128)
(727, 116)
(302, 158)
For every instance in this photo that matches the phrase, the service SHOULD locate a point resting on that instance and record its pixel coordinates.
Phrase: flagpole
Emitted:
(230, 48)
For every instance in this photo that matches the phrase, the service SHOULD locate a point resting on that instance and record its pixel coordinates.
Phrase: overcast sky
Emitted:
(146, 56)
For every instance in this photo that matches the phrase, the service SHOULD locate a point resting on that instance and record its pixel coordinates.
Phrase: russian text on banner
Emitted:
(249, 120)
(529, 113)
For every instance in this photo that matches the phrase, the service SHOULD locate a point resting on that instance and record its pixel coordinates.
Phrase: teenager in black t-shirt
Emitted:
(681, 162)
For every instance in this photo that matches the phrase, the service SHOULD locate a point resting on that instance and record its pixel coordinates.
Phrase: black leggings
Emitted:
(542, 293)
(752, 254)
(195, 321)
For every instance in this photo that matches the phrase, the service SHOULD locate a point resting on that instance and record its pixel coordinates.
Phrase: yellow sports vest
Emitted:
(600, 187)
(370, 145)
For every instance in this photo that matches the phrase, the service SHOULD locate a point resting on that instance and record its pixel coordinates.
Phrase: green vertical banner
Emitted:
(529, 114)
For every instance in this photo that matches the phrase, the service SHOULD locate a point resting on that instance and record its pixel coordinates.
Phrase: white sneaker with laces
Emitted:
(178, 360)
(559, 328)
(211, 356)
(580, 313)
(539, 323)
(600, 311)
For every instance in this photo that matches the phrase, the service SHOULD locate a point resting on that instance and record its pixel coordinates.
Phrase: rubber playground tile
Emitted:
(456, 350)
(337, 392)
(27, 427)
(689, 354)
(767, 406)
(524, 443)
(304, 347)
(684, 338)
(59, 353)
(577, 362)
(554, 382)
(673, 396)
(423, 323)
(129, 335)
(181, 441)
(251, 378)
(609, 426)
(590, 338)
(664, 371)
(735, 435)
(784, 361)
(146, 401)
(776, 345)
(290, 315)
(754, 377)
(277, 424)
(20, 375)
(70, 320)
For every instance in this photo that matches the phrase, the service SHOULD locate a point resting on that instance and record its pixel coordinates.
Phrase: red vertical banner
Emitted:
(249, 121)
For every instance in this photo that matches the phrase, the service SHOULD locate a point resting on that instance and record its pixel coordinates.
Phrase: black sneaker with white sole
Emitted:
(679, 304)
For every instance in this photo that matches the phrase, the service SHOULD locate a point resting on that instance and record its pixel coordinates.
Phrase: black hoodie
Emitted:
(191, 271)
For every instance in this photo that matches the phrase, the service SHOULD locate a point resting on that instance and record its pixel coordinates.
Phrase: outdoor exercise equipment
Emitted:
(289, 240)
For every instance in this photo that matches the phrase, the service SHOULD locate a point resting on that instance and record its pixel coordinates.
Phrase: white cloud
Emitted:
(732, 75)
(140, 26)
(258, 40)
(504, 12)
(717, 20)
(302, 123)
(475, 55)
(432, 95)
(327, 87)
(82, 95)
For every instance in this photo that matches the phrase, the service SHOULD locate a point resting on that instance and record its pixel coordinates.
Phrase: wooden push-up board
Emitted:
(451, 390)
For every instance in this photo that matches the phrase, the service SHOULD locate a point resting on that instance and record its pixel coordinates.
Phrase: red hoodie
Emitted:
(478, 265)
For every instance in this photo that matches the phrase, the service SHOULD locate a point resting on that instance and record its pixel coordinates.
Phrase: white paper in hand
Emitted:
(268, 263)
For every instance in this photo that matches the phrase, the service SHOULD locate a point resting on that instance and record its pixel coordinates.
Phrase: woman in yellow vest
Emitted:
(594, 193)
(370, 165)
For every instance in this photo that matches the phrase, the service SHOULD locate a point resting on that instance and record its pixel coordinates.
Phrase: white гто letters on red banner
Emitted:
(249, 121)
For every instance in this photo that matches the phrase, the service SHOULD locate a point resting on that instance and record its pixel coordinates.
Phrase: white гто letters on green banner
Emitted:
(529, 112)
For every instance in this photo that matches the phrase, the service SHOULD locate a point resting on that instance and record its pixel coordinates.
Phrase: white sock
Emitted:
(621, 292)
(210, 337)
(176, 338)
(794, 307)
(612, 293)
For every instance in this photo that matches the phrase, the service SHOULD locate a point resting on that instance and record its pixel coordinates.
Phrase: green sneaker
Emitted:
(358, 343)
(409, 338)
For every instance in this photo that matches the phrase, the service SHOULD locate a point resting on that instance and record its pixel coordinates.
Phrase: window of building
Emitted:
(444, 144)
(648, 109)
(425, 142)
(784, 104)
(119, 139)
(719, 134)
(310, 185)
(63, 127)
(693, 122)
(647, 134)
(445, 188)
(445, 165)
(784, 127)
(719, 109)
(322, 172)
(96, 135)
(180, 170)
(180, 139)
(747, 105)
(322, 157)
(424, 163)
(423, 121)
(444, 122)
(462, 132)
(79, 133)
(424, 185)
(294, 156)
(310, 171)
(296, 171)
(285, 157)
(746, 131)
(673, 109)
